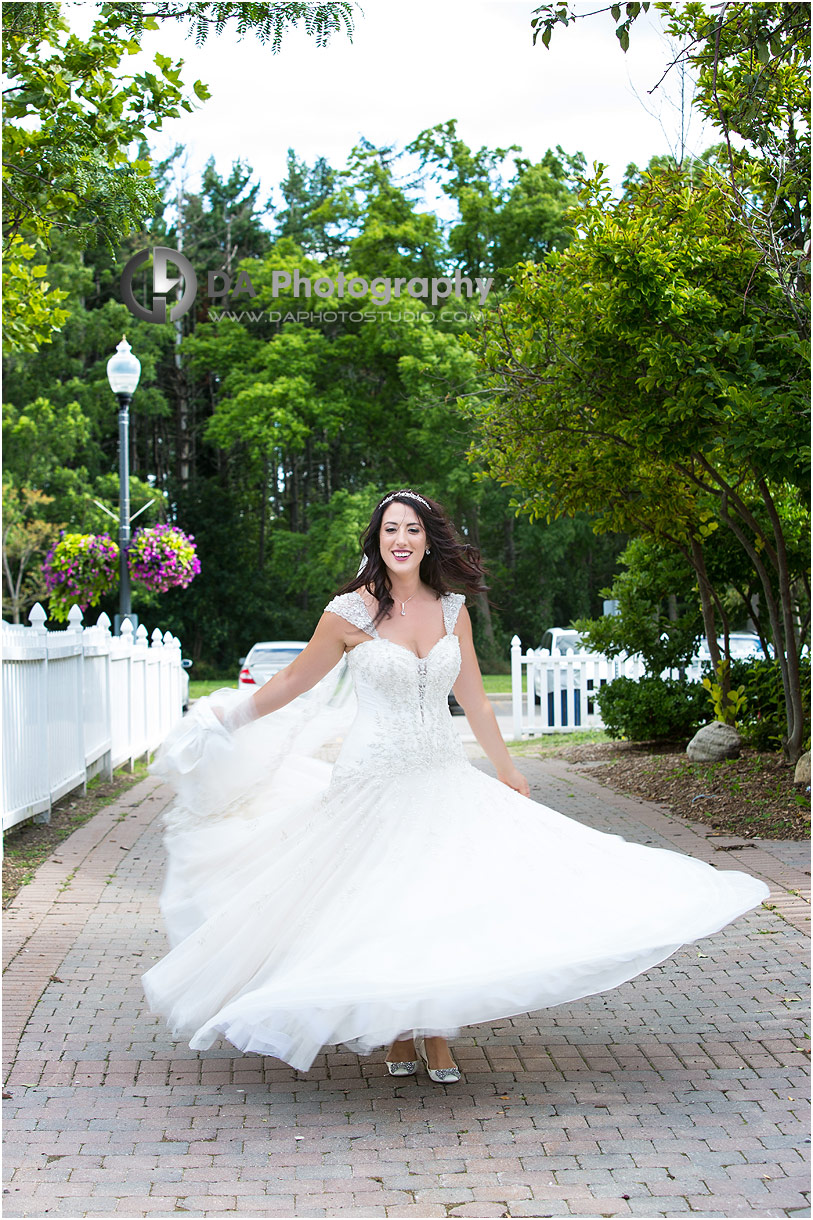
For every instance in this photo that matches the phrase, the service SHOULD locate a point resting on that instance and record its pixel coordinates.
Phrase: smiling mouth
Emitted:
(401, 554)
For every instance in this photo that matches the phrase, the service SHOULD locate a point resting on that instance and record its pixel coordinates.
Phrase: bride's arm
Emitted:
(323, 651)
(471, 695)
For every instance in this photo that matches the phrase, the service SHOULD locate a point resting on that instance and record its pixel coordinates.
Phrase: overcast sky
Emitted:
(413, 65)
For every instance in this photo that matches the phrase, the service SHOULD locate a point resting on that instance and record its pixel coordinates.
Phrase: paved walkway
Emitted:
(681, 1091)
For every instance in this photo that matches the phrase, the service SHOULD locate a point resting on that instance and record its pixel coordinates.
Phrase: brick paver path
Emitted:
(681, 1091)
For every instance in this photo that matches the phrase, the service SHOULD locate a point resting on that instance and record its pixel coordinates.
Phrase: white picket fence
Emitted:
(553, 692)
(80, 702)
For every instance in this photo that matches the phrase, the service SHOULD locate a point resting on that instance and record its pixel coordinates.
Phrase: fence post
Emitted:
(103, 621)
(75, 617)
(37, 618)
(126, 636)
(516, 686)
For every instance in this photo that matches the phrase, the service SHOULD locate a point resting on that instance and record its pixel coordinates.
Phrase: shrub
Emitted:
(762, 722)
(653, 708)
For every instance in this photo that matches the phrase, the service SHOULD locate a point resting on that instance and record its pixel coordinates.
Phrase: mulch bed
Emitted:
(752, 796)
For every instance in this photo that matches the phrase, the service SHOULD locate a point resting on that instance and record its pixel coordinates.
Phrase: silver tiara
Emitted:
(412, 495)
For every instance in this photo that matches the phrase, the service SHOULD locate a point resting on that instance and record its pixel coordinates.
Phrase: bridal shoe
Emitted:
(401, 1067)
(439, 1075)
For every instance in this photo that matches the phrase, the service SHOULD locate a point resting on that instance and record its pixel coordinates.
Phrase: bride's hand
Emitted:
(513, 778)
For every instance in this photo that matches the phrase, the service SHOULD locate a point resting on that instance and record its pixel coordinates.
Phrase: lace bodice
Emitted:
(403, 720)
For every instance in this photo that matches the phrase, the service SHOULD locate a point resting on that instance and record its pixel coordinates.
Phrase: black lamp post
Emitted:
(123, 372)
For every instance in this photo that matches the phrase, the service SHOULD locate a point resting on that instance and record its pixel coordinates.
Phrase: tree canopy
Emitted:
(270, 438)
(76, 126)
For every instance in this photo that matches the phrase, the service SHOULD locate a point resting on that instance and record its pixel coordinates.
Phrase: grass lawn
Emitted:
(495, 684)
(498, 684)
(197, 689)
(550, 743)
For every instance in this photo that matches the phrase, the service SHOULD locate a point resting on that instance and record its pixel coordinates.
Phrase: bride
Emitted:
(399, 892)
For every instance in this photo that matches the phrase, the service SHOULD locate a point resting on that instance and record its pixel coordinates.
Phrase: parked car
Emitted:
(268, 657)
(562, 640)
(265, 659)
(742, 646)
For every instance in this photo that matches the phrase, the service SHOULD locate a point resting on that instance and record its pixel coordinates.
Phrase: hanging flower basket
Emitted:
(163, 557)
(79, 570)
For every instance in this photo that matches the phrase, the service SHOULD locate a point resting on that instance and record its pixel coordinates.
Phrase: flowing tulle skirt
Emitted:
(322, 910)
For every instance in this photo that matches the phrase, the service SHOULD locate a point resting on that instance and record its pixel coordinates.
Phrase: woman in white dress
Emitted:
(311, 905)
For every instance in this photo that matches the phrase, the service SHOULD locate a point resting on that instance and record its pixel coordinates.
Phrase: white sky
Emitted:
(413, 65)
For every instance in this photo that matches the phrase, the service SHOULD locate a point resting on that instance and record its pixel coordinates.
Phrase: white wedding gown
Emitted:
(400, 889)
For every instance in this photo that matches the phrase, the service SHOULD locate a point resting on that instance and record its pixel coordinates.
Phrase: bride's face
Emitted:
(401, 539)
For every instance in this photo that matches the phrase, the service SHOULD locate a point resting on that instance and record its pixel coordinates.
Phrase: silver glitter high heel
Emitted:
(403, 1067)
(439, 1075)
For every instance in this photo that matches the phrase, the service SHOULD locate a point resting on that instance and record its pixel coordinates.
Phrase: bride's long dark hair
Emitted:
(451, 565)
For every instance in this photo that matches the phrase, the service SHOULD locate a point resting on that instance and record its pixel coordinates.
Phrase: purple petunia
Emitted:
(163, 557)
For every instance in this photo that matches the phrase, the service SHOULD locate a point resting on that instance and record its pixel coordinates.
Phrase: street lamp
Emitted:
(123, 372)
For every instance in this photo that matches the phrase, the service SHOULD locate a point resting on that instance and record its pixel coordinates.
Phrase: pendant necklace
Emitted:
(403, 605)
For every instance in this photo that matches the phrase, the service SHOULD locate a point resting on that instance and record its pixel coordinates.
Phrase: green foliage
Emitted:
(275, 438)
(499, 224)
(32, 309)
(73, 117)
(548, 16)
(763, 722)
(652, 374)
(73, 168)
(750, 64)
(39, 436)
(26, 536)
(268, 22)
(658, 615)
(727, 702)
(652, 709)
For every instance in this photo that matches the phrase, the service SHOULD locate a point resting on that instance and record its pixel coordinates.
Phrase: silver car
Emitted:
(265, 659)
(742, 645)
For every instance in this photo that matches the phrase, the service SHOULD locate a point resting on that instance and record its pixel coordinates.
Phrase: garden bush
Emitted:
(653, 708)
(762, 722)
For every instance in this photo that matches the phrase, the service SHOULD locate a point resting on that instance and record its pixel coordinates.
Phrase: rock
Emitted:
(714, 742)
(802, 773)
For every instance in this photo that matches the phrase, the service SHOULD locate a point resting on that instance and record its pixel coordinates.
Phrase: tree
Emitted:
(270, 438)
(753, 83)
(25, 538)
(657, 614)
(652, 374)
(498, 223)
(305, 219)
(72, 117)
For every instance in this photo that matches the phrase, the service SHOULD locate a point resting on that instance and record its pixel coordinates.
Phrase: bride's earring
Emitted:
(427, 551)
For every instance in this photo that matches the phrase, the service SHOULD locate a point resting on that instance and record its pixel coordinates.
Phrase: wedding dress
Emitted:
(400, 888)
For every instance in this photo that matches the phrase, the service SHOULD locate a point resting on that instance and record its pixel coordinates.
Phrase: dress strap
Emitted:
(351, 607)
(451, 608)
